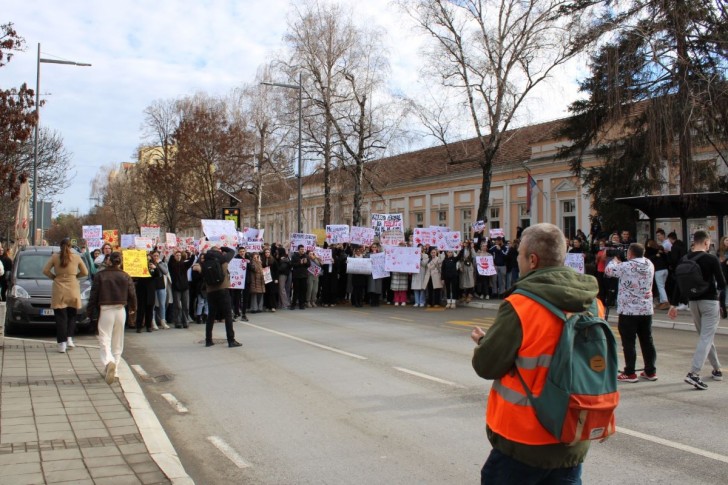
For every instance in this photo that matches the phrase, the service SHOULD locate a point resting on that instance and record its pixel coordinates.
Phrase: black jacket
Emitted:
(300, 270)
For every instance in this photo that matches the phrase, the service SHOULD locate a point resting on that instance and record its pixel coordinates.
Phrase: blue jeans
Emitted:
(501, 469)
(161, 308)
(419, 297)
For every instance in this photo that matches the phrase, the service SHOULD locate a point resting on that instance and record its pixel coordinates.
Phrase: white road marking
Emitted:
(228, 451)
(175, 403)
(673, 444)
(140, 372)
(429, 377)
(321, 346)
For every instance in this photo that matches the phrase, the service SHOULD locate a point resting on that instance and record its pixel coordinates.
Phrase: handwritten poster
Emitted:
(485, 265)
(152, 232)
(337, 233)
(127, 241)
(387, 222)
(171, 239)
(363, 236)
(314, 269)
(391, 238)
(324, 255)
(135, 263)
(92, 244)
(378, 262)
(359, 266)
(215, 228)
(308, 241)
(575, 261)
(253, 246)
(450, 241)
(426, 236)
(267, 277)
(237, 268)
(478, 226)
(92, 232)
(251, 234)
(402, 259)
(497, 232)
(143, 243)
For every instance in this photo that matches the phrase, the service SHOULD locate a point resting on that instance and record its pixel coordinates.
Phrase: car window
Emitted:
(30, 266)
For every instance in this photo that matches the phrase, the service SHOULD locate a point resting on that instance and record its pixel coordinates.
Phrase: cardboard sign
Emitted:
(136, 263)
(171, 239)
(237, 267)
(314, 269)
(267, 277)
(485, 265)
(402, 260)
(253, 246)
(363, 236)
(378, 262)
(575, 261)
(308, 241)
(92, 244)
(359, 266)
(92, 232)
(251, 234)
(391, 238)
(143, 243)
(111, 236)
(387, 222)
(426, 236)
(324, 255)
(337, 233)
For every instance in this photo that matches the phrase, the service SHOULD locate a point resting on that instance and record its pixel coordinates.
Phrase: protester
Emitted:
(656, 254)
(398, 285)
(450, 276)
(704, 308)
(466, 257)
(202, 308)
(159, 271)
(64, 268)
(419, 285)
(330, 278)
(433, 278)
(358, 282)
(271, 289)
(678, 249)
(102, 260)
(499, 250)
(284, 275)
(257, 284)
(241, 297)
(178, 266)
(112, 290)
(523, 450)
(218, 298)
(374, 287)
(7, 270)
(634, 306)
(723, 258)
(312, 283)
(300, 264)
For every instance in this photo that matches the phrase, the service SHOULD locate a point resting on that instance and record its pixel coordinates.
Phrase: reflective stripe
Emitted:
(511, 396)
(531, 363)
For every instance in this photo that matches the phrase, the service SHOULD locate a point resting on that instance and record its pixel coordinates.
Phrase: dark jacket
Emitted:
(658, 258)
(449, 269)
(300, 270)
(499, 254)
(112, 287)
(712, 273)
(158, 275)
(178, 273)
(284, 266)
(273, 264)
(224, 256)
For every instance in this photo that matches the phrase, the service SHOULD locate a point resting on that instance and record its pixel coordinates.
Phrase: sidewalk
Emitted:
(61, 423)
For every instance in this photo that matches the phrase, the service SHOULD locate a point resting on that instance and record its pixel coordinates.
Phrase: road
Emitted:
(387, 395)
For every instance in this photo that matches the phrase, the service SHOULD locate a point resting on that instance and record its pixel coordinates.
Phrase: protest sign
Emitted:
(92, 232)
(237, 267)
(228, 240)
(478, 226)
(252, 234)
(151, 232)
(425, 236)
(215, 228)
(253, 246)
(402, 259)
(136, 263)
(144, 243)
(358, 265)
(337, 233)
(92, 244)
(111, 236)
(450, 241)
(267, 277)
(363, 236)
(485, 265)
(391, 238)
(497, 232)
(314, 269)
(127, 241)
(387, 222)
(308, 241)
(378, 261)
(575, 261)
(324, 255)
(171, 239)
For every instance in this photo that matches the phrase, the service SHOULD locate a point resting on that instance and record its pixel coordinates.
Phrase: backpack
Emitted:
(579, 396)
(689, 277)
(212, 272)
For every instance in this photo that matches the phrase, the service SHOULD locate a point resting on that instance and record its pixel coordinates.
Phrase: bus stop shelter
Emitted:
(683, 206)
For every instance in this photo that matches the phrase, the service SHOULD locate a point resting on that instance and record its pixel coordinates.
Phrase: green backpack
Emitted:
(580, 394)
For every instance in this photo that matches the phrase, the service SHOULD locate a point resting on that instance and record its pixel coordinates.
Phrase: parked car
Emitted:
(29, 293)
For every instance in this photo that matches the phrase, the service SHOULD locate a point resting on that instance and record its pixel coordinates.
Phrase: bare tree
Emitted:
(493, 53)
(124, 199)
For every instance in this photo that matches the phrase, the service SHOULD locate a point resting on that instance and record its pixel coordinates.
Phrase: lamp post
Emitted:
(35, 131)
(299, 87)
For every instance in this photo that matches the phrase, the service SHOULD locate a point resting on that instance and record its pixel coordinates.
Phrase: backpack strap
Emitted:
(549, 306)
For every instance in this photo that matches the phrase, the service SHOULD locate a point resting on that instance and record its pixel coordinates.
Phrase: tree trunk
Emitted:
(358, 180)
(327, 175)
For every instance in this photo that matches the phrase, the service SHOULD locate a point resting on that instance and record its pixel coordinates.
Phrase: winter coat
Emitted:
(271, 263)
(158, 275)
(467, 268)
(399, 282)
(300, 270)
(257, 282)
(418, 279)
(112, 287)
(449, 268)
(178, 273)
(66, 291)
(434, 267)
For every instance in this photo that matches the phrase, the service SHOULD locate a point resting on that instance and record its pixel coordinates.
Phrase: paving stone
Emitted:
(103, 461)
(118, 415)
(113, 423)
(56, 435)
(91, 433)
(133, 449)
(60, 454)
(123, 430)
(54, 426)
(111, 471)
(18, 428)
(62, 465)
(102, 451)
(75, 418)
(139, 458)
(121, 480)
(20, 469)
(75, 482)
(15, 421)
(51, 412)
(17, 458)
(28, 479)
(90, 424)
(153, 478)
(51, 419)
(67, 475)
(18, 437)
(146, 467)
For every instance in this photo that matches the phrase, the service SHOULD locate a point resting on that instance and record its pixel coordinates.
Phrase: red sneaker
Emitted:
(622, 377)
(649, 377)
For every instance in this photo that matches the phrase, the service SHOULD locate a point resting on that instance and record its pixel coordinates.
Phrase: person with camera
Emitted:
(634, 306)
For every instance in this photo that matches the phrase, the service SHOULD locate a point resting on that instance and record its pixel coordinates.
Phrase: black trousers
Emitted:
(218, 302)
(300, 285)
(65, 323)
(632, 327)
(236, 296)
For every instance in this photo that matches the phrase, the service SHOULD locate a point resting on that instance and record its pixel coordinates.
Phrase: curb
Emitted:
(670, 324)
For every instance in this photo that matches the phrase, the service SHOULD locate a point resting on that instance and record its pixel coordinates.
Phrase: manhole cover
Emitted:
(163, 378)
(218, 341)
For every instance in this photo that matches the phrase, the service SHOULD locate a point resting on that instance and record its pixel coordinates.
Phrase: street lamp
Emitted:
(37, 122)
(299, 87)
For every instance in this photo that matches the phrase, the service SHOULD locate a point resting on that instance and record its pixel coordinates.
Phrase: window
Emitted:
(568, 217)
(442, 218)
(419, 218)
(524, 218)
(494, 217)
(466, 219)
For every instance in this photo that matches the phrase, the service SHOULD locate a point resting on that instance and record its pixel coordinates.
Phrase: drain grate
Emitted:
(218, 341)
(163, 378)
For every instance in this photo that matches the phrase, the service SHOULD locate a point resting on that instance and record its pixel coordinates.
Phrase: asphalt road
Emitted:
(387, 395)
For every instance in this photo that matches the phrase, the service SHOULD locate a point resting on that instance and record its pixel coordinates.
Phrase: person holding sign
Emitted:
(300, 264)
(112, 290)
(218, 298)
(257, 284)
(433, 278)
(312, 285)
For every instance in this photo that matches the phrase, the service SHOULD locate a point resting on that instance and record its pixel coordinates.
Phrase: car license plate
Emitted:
(47, 312)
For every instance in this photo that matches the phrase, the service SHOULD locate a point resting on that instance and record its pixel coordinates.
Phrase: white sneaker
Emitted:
(164, 325)
(110, 372)
(683, 307)
(69, 343)
(62, 347)
(154, 326)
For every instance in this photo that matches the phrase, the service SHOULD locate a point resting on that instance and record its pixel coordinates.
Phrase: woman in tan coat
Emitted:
(66, 291)
(257, 284)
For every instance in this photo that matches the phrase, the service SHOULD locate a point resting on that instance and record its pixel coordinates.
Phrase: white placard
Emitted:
(144, 243)
(337, 233)
(378, 271)
(391, 238)
(127, 241)
(575, 261)
(324, 255)
(267, 277)
(215, 228)
(314, 268)
(426, 236)
(359, 266)
(253, 246)
(497, 232)
(308, 241)
(151, 232)
(450, 241)
(92, 244)
(363, 236)
(402, 260)
(387, 222)
(171, 239)
(92, 232)
(485, 265)
(478, 226)
(252, 234)
(237, 267)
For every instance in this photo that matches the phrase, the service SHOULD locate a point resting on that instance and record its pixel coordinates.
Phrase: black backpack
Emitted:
(212, 272)
(689, 277)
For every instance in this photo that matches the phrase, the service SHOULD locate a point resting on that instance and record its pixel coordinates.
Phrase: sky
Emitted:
(143, 51)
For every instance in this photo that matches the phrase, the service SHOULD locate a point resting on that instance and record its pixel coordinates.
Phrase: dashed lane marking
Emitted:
(228, 451)
(140, 371)
(429, 377)
(175, 403)
(302, 340)
(673, 444)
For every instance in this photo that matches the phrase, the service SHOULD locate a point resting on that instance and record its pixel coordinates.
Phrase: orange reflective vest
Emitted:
(509, 412)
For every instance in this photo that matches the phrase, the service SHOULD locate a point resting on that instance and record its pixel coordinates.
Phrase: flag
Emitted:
(530, 185)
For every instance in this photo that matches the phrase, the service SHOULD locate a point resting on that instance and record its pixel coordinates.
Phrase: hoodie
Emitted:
(634, 296)
(496, 353)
